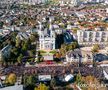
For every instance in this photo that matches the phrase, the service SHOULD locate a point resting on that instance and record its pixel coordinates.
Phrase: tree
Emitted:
(19, 59)
(71, 46)
(25, 46)
(1, 59)
(58, 55)
(63, 49)
(30, 53)
(92, 80)
(14, 51)
(18, 41)
(29, 80)
(68, 47)
(13, 36)
(32, 38)
(94, 51)
(40, 58)
(36, 35)
(11, 79)
(95, 48)
(75, 30)
(53, 82)
(78, 78)
(42, 87)
(75, 44)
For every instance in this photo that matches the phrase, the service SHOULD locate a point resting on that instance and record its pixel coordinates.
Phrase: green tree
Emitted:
(71, 46)
(53, 83)
(94, 51)
(13, 36)
(19, 59)
(32, 38)
(30, 53)
(29, 80)
(78, 78)
(95, 48)
(63, 49)
(42, 87)
(18, 41)
(75, 45)
(14, 51)
(1, 58)
(75, 30)
(25, 45)
(11, 79)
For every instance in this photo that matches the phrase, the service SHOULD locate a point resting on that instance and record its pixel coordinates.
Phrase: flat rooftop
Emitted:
(16, 87)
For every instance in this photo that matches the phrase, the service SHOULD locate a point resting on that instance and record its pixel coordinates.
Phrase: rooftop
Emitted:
(16, 87)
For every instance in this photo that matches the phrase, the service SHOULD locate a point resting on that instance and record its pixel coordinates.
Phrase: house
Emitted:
(4, 32)
(90, 37)
(23, 35)
(5, 52)
(85, 54)
(79, 56)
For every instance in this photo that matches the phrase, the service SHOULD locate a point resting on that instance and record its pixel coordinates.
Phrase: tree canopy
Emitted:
(42, 87)
(11, 79)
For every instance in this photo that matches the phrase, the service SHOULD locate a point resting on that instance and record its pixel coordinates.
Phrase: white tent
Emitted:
(69, 77)
(44, 77)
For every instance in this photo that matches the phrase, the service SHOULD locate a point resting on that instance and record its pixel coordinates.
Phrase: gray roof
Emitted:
(76, 53)
(16, 87)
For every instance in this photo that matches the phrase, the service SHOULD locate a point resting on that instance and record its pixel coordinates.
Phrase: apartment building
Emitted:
(90, 37)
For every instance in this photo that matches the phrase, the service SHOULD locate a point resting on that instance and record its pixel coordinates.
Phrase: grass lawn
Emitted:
(43, 53)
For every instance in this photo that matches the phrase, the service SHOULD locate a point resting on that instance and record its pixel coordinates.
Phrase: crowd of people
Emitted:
(56, 70)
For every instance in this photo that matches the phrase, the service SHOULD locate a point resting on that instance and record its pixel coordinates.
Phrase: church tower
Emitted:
(52, 34)
(41, 36)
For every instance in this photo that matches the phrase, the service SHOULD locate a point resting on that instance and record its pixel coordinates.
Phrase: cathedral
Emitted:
(46, 37)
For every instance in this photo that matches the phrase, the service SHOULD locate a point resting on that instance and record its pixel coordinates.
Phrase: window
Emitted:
(85, 34)
(97, 34)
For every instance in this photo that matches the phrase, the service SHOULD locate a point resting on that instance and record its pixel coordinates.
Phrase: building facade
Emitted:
(70, 2)
(46, 38)
(79, 56)
(92, 37)
(1, 57)
(33, 2)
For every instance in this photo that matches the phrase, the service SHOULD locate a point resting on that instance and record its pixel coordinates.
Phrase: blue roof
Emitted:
(68, 38)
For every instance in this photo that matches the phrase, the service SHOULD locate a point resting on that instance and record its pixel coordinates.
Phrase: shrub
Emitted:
(42, 51)
(53, 52)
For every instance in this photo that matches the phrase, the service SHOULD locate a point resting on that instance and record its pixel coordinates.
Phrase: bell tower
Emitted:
(52, 34)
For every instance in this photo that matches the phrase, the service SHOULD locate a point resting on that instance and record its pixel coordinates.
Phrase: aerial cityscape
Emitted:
(53, 44)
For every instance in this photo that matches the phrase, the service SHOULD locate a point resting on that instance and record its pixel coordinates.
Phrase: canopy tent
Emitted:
(44, 77)
(69, 77)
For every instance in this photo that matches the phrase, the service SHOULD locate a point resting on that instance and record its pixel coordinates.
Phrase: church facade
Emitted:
(47, 37)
